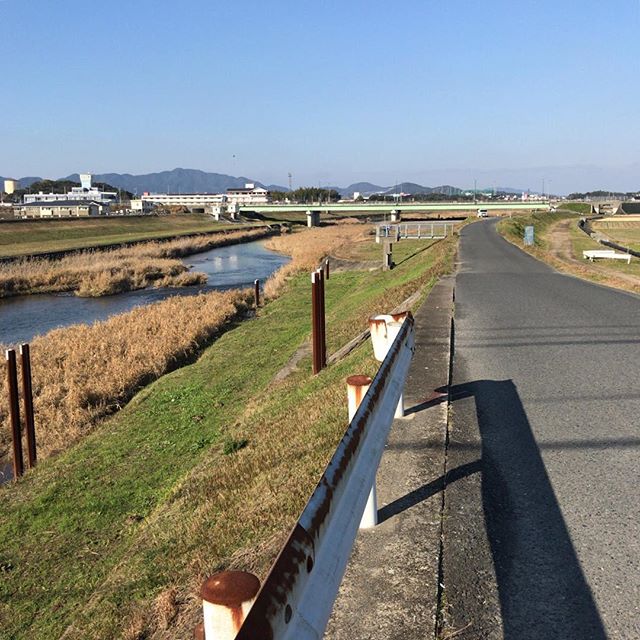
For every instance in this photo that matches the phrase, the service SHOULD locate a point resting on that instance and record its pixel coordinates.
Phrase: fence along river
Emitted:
(23, 317)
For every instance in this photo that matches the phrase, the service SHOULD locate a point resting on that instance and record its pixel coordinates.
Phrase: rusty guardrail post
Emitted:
(256, 292)
(226, 600)
(357, 387)
(27, 399)
(318, 324)
(384, 329)
(323, 322)
(14, 411)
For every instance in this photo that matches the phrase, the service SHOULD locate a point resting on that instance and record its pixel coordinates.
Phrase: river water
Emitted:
(23, 317)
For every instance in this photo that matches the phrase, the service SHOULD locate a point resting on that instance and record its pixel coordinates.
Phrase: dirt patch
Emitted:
(561, 248)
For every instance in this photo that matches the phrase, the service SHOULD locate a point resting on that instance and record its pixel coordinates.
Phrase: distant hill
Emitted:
(365, 188)
(195, 181)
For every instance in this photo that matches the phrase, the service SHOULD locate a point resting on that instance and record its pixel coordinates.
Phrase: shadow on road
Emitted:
(542, 589)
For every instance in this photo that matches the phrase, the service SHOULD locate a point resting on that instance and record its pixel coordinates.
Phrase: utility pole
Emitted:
(289, 174)
(475, 189)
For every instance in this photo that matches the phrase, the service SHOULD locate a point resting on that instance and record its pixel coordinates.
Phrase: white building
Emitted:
(247, 196)
(138, 205)
(84, 192)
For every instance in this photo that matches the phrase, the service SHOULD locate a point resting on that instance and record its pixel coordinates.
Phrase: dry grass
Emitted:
(82, 373)
(100, 273)
(307, 248)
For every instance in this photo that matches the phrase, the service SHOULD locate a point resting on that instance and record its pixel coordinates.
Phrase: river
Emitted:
(23, 317)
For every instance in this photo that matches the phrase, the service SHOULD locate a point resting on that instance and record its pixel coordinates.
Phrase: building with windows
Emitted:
(199, 202)
(249, 195)
(60, 209)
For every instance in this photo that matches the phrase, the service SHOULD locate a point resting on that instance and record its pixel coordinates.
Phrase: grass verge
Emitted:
(560, 243)
(206, 468)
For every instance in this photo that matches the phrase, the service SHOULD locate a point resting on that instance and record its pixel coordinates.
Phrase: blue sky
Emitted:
(433, 92)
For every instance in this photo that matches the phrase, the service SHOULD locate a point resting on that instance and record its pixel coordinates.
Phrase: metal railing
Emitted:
(413, 230)
(297, 597)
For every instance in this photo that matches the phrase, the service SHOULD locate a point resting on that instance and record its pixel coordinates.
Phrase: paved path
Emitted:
(391, 585)
(542, 516)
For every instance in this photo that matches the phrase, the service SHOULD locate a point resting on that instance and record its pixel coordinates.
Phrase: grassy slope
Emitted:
(18, 238)
(149, 503)
(583, 208)
(513, 228)
(602, 272)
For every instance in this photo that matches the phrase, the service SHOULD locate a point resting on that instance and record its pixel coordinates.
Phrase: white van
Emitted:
(482, 213)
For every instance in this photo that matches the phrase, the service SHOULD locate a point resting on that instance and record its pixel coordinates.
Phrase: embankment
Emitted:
(205, 469)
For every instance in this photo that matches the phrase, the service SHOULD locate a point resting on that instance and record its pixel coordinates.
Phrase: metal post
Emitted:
(14, 410)
(315, 323)
(256, 285)
(27, 399)
(326, 269)
(357, 387)
(322, 318)
(227, 598)
(387, 259)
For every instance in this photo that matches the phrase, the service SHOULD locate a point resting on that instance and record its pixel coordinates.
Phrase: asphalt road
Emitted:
(542, 535)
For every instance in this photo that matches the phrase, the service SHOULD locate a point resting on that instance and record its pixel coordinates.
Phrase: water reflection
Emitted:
(24, 317)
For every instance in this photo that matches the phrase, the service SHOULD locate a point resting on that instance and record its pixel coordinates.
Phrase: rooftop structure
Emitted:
(84, 192)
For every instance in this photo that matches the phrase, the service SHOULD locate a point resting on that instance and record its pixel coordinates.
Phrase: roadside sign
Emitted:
(528, 236)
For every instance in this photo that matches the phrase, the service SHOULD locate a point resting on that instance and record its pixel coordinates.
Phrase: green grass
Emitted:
(207, 463)
(26, 237)
(583, 208)
(514, 227)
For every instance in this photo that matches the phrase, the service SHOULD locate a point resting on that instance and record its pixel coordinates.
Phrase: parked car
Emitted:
(482, 213)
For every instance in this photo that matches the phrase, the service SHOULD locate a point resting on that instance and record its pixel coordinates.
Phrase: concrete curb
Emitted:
(390, 589)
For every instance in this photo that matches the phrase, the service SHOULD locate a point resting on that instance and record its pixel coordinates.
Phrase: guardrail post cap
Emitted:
(230, 588)
(227, 598)
(359, 381)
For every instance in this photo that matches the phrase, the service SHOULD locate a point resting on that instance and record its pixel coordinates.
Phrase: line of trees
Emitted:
(307, 195)
(602, 194)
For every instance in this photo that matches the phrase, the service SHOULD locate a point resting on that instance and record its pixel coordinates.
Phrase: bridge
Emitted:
(404, 207)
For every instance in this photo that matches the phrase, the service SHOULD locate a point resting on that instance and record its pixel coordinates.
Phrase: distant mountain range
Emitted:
(195, 181)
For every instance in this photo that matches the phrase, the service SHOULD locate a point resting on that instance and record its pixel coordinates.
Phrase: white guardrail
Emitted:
(296, 599)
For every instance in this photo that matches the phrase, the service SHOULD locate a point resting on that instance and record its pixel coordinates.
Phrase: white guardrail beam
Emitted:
(297, 597)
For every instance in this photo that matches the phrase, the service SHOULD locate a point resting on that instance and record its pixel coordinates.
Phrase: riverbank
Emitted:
(108, 272)
(205, 469)
(29, 237)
